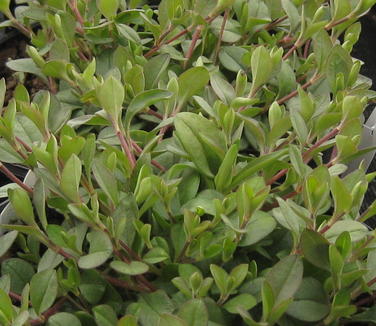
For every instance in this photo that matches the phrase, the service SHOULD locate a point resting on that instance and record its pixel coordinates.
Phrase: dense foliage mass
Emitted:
(187, 165)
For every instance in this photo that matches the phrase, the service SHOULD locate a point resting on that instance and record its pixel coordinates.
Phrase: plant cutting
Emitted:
(187, 164)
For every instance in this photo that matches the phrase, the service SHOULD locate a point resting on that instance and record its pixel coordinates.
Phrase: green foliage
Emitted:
(177, 168)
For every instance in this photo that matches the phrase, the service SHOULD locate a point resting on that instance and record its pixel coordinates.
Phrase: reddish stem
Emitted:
(155, 114)
(304, 87)
(290, 52)
(183, 32)
(12, 177)
(220, 36)
(26, 146)
(153, 162)
(50, 312)
(127, 150)
(330, 135)
(77, 14)
(196, 35)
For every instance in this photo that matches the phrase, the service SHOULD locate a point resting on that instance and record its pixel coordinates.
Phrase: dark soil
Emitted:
(12, 49)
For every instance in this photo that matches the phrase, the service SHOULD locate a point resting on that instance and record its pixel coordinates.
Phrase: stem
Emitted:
(50, 312)
(309, 83)
(26, 146)
(155, 114)
(126, 149)
(306, 155)
(184, 249)
(77, 14)
(15, 296)
(195, 37)
(323, 140)
(155, 48)
(12, 177)
(291, 51)
(218, 47)
(272, 24)
(153, 162)
(23, 29)
(339, 21)
(306, 48)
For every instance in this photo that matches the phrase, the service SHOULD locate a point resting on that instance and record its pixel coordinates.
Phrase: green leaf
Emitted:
(285, 277)
(220, 277)
(26, 65)
(261, 66)
(21, 203)
(342, 196)
(367, 316)
(4, 6)
(6, 308)
(20, 271)
(106, 181)
(62, 319)
(111, 96)
(202, 140)
(154, 69)
(43, 290)
(2, 92)
(223, 178)
(239, 273)
(133, 268)
(256, 165)
(191, 82)
(108, 8)
(100, 250)
(155, 255)
(170, 320)
(243, 301)
(338, 62)
(128, 320)
(222, 88)
(260, 226)
(71, 178)
(92, 286)
(142, 101)
(357, 230)
(128, 33)
(194, 313)
(104, 315)
(6, 241)
(231, 58)
(315, 249)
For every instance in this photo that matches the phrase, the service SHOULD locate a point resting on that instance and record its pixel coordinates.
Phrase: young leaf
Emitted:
(21, 203)
(220, 277)
(111, 96)
(71, 177)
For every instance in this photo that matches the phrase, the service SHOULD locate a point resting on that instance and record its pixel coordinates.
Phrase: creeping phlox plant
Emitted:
(187, 165)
